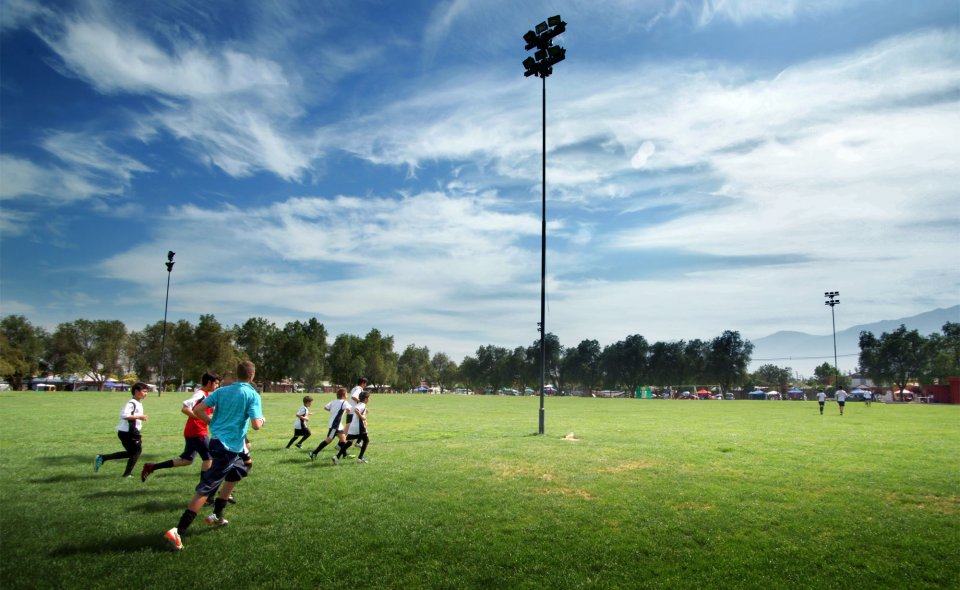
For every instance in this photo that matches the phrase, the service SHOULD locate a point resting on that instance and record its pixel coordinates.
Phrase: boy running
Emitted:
(358, 428)
(235, 406)
(338, 408)
(300, 426)
(195, 433)
(128, 431)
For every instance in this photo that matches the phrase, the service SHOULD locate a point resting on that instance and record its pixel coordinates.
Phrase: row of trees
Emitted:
(94, 350)
(902, 356)
(626, 364)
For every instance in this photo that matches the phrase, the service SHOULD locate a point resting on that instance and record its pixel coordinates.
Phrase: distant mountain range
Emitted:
(803, 352)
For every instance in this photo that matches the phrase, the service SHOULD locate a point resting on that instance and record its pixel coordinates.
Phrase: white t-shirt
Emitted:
(868, 395)
(297, 422)
(821, 396)
(355, 392)
(338, 408)
(841, 395)
(360, 408)
(133, 407)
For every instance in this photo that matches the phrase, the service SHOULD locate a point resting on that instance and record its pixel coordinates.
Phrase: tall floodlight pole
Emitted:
(541, 65)
(833, 301)
(163, 339)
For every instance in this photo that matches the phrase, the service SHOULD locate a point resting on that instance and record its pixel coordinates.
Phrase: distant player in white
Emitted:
(300, 426)
(868, 397)
(821, 398)
(841, 399)
(358, 428)
(338, 408)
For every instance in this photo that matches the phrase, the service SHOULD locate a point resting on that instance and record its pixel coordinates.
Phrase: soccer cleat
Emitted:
(173, 537)
(217, 520)
(97, 463)
(298, 446)
(362, 460)
(312, 455)
(231, 499)
(147, 470)
(335, 460)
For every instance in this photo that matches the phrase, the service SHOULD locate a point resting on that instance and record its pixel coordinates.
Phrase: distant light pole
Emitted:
(832, 301)
(163, 339)
(541, 65)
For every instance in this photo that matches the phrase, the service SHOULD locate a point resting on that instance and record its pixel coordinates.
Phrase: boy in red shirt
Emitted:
(195, 434)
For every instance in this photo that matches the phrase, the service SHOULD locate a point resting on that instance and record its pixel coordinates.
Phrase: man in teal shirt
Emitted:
(234, 406)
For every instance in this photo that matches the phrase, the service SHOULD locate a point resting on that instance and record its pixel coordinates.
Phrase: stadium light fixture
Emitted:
(166, 301)
(833, 301)
(541, 66)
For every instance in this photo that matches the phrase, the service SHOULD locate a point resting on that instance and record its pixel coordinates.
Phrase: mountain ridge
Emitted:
(802, 352)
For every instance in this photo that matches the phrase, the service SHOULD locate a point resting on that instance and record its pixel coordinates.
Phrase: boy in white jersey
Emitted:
(338, 409)
(358, 428)
(300, 426)
(128, 431)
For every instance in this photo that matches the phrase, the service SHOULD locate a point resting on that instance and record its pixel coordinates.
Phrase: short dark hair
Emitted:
(307, 398)
(209, 378)
(364, 396)
(246, 370)
(139, 386)
(361, 380)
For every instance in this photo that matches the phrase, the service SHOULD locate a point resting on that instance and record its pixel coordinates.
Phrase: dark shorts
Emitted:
(301, 432)
(227, 465)
(196, 445)
(821, 404)
(334, 432)
(842, 403)
(131, 441)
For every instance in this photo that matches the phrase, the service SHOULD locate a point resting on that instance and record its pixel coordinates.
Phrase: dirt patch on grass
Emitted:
(947, 506)
(630, 466)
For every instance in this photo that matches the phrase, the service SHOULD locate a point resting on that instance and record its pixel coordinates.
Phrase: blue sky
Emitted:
(712, 165)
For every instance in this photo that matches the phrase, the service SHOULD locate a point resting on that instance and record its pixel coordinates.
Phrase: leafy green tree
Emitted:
(92, 348)
(471, 373)
(894, 357)
(824, 373)
(304, 352)
(773, 375)
(693, 366)
(552, 370)
(666, 363)
(943, 351)
(21, 348)
(346, 360)
(445, 371)
(582, 364)
(727, 359)
(211, 349)
(627, 362)
(491, 366)
(413, 367)
(260, 341)
(381, 368)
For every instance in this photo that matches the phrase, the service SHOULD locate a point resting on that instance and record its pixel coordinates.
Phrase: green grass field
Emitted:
(460, 493)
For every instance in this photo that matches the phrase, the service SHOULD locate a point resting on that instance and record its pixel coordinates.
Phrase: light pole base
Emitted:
(541, 420)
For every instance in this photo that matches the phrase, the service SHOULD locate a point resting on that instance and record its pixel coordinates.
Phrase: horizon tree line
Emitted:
(299, 352)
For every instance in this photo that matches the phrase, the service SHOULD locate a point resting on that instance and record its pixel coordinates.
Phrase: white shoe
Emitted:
(335, 460)
(214, 519)
(362, 460)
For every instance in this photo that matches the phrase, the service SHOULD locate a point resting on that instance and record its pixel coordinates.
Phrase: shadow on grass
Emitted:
(72, 460)
(62, 478)
(152, 541)
(155, 506)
